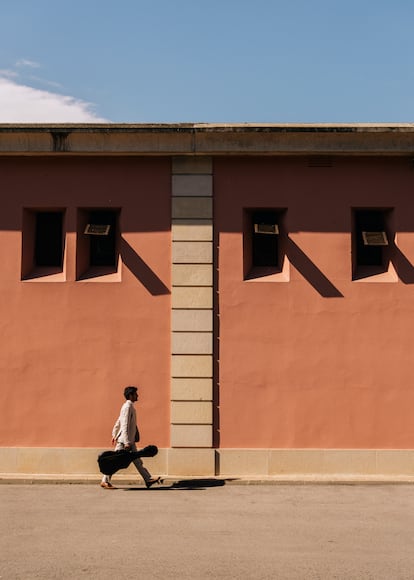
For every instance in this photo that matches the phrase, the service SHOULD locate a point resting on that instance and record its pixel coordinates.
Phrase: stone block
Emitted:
(192, 230)
(253, 462)
(192, 320)
(192, 297)
(395, 461)
(192, 208)
(187, 366)
(188, 462)
(192, 389)
(192, 185)
(192, 274)
(192, 252)
(192, 164)
(191, 435)
(192, 343)
(191, 412)
(350, 461)
(296, 461)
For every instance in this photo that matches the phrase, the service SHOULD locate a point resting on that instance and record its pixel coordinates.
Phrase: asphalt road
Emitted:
(207, 530)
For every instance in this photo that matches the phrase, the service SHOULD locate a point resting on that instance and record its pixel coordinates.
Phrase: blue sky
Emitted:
(224, 61)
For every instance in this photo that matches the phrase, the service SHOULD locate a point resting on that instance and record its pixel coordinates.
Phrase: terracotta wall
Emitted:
(319, 360)
(70, 347)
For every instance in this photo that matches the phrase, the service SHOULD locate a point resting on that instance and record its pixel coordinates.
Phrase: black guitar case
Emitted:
(112, 461)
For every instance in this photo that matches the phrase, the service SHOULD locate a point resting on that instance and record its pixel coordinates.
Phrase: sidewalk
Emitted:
(196, 529)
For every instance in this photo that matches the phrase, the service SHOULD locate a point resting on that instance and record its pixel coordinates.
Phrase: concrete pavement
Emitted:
(207, 529)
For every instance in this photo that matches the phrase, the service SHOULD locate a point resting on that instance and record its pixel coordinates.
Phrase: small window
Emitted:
(371, 237)
(265, 239)
(42, 243)
(371, 242)
(48, 241)
(98, 243)
(102, 239)
(264, 242)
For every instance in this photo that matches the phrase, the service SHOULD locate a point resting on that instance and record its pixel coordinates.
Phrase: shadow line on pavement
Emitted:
(185, 485)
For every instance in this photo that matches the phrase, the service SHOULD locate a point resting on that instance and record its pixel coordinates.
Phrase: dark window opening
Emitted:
(370, 237)
(101, 230)
(49, 239)
(373, 235)
(265, 239)
(264, 244)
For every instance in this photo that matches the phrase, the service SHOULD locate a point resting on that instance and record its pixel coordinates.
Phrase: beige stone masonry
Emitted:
(192, 185)
(243, 461)
(192, 208)
(188, 366)
(191, 436)
(192, 320)
(192, 165)
(192, 343)
(192, 297)
(192, 303)
(192, 389)
(192, 252)
(391, 461)
(66, 461)
(197, 458)
(192, 274)
(192, 229)
(191, 462)
(185, 412)
(318, 463)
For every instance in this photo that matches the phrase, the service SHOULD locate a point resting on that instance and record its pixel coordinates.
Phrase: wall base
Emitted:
(256, 464)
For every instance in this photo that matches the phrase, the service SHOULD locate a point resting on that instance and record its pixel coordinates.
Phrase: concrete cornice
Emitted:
(207, 139)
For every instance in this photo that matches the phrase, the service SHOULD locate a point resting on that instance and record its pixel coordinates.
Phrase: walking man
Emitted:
(125, 435)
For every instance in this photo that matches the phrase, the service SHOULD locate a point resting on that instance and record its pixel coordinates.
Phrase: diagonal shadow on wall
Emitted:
(403, 267)
(141, 270)
(310, 271)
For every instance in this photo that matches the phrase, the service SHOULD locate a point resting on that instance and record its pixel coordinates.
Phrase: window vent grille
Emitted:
(267, 229)
(375, 238)
(97, 230)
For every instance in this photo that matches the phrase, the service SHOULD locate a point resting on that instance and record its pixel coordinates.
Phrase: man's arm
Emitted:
(124, 421)
(116, 431)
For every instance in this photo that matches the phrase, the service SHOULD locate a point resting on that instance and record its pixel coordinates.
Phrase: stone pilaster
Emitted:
(192, 303)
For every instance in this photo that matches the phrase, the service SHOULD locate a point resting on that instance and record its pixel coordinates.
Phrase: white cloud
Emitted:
(28, 63)
(8, 73)
(23, 104)
(45, 82)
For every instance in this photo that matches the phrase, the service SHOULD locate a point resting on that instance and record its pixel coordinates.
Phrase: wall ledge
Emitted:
(254, 465)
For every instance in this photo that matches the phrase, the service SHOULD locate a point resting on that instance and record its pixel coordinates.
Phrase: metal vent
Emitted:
(322, 161)
(272, 229)
(375, 238)
(97, 230)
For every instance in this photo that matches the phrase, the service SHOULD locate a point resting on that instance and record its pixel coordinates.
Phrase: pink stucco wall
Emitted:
(70, 347)
(320, 360)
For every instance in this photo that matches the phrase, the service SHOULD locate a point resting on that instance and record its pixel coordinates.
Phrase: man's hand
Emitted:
(127, 446)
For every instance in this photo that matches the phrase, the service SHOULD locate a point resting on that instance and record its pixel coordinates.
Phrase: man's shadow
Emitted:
(184, 485)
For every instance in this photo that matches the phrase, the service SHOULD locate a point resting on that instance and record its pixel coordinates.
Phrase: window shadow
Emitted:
(403, 267)
(141, 270)
(310, 271)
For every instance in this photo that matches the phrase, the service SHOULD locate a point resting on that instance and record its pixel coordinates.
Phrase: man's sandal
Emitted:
(151, 482)
(107, 485)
